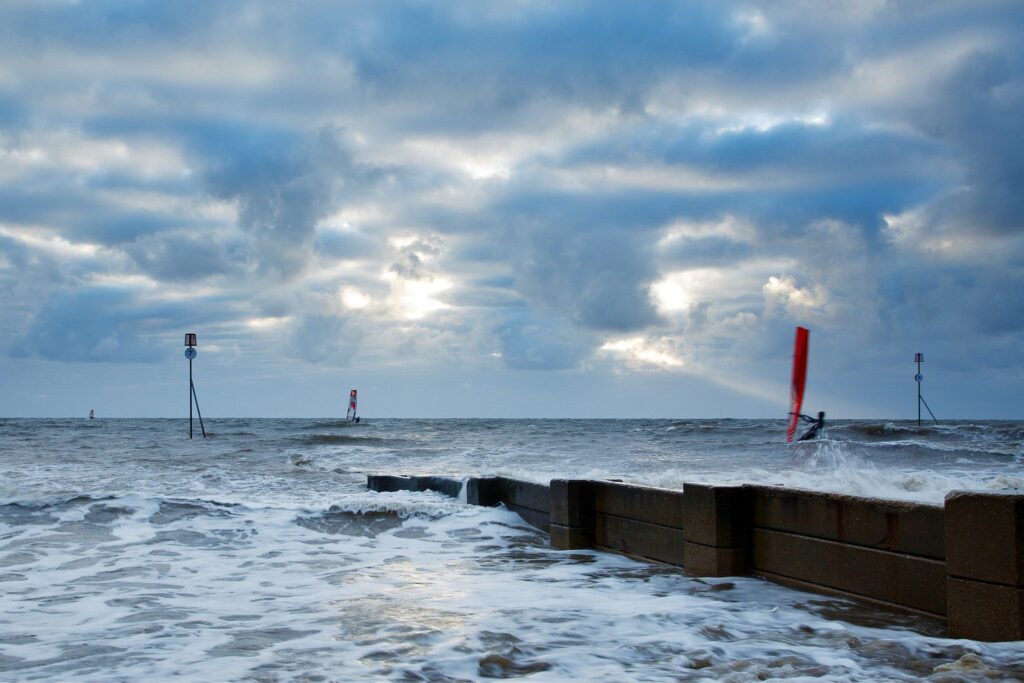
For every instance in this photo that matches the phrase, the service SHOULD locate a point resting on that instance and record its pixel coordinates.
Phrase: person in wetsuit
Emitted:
(816, 428)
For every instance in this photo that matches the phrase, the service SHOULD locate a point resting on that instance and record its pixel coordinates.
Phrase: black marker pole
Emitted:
(190, 353)
(918, 358)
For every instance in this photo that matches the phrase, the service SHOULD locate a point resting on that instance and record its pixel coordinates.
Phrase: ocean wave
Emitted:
(51, 501)
(931, 432)
(339, 423)
(329, 439)
(909, 447)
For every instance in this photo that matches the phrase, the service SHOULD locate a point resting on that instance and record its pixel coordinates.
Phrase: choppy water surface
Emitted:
(128, 553)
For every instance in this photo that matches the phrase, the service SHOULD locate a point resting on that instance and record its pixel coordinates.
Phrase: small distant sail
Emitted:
(92, 414)
(796, 389)
(351, 414)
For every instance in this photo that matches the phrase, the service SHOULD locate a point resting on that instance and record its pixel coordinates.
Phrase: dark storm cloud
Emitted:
(81, 215)
(183, 256)
(283, 185)
(594, 275)
(978, 111)
(819, 148)
(706, 251)
(345, 245)
(93, 325)
(94, 24)
(325, 339)
(577, 51)
(110, 324)
(11, 111)
(538, 345)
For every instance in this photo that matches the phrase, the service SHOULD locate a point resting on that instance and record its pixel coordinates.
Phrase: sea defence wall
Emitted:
(962, 563)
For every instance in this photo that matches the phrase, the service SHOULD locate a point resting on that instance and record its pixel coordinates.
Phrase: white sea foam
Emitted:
(832, 466)
(448, 591)
(230, 561)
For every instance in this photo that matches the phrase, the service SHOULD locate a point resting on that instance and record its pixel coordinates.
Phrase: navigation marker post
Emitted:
(919, 358)
(190, 353)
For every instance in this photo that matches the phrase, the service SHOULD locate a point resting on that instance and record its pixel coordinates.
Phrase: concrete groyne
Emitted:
(962, 562)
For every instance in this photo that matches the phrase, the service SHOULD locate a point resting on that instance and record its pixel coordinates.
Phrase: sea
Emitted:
(129, 552)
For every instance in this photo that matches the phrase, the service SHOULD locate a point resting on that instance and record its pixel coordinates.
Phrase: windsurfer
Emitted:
(816, 428)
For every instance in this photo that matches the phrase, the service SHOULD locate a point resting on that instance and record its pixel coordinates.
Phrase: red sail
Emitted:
(796, 390)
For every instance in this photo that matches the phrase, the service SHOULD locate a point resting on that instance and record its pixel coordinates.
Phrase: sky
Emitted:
(511, 209)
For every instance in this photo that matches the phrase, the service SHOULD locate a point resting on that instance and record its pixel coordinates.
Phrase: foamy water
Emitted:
(128, 553)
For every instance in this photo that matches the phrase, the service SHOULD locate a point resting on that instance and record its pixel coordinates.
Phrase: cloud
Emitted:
(978, 112)
(95, 325)
(283, 186)
(598, 277)
(538, 345)
(183, 256)
(325, 339)
(533, 180)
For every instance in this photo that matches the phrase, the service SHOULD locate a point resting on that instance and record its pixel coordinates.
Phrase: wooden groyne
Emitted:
(962, 562)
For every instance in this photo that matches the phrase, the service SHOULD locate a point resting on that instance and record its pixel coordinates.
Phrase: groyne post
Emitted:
(572, 514)
(716, 530)
(483, 491)
(985, 565)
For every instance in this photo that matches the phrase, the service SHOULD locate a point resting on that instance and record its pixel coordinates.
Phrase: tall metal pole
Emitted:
(918, 358)
(190, 353)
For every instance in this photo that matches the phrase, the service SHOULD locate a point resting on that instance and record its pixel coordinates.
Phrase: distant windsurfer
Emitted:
(350, 415)
(816, 428)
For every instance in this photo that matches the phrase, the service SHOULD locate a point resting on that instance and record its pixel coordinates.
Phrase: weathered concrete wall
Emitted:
(530, 501)
(964, 561)
(985, 565)
(446, 485)
(884, 551)
(637, 520)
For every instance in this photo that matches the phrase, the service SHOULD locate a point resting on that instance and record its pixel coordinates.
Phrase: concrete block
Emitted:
(483, 491)
(703, 560)
(985, 536)
(535, 518)
(657, 506)
(717, 516)
(524, 494)
(446, 485)
(572, 502)
(571, 537)
(985, 611)
(633, 537)
(915, 583)
(912, 528)
(384, 483)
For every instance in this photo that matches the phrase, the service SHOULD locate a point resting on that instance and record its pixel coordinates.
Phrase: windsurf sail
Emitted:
(796, 389)
(92, 414)
(351, 414)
